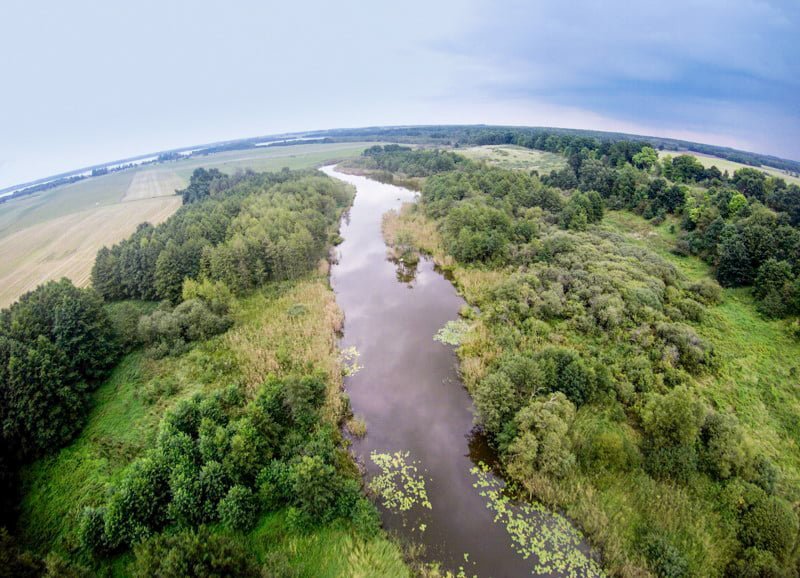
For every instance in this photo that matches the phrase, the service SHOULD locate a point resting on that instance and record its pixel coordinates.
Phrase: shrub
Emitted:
(92, 531)
(167, 331)
(693, 352)
(193, 554)
(664, 558)
(771, 525)
(315, 489)
(237, 510)
(542, 443)
(564, 370)
(138, 506)
(755, 563)
(722, 452)
(496, 400)
(672, 425)
(274, 485)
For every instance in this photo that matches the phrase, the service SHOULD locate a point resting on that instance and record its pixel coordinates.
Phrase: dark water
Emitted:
(409, 392)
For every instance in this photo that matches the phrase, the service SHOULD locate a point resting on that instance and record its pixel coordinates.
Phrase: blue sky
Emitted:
(90, 81)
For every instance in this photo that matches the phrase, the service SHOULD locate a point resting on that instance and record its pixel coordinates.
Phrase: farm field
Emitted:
(66, 246)
(57, 233)
(516, 157)
(730, 166)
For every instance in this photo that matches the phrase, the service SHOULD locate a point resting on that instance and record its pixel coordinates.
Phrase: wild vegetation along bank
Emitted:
(614, 375)
(205, 432)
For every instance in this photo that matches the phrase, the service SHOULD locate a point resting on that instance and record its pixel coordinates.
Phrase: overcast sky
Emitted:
(89, 81)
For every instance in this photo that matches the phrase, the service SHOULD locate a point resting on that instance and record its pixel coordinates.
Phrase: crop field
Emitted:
(731, 166)
(515, 157)
(66, 246)
(58, 232)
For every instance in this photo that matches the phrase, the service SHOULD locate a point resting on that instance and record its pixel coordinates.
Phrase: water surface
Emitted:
(409, 391)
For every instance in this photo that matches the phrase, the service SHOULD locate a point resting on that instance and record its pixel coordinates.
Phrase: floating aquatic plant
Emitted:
(349, 360)
(537, 532)
(452, 333)
(399, 485)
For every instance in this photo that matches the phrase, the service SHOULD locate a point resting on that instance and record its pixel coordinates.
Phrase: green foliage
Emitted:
(315, 491)
(197, 554)
(776, 289)
(722, 452)
(672, 424)
(56, 342)
(664, 558)
(645, 158)
(771, 525)
(138, 505)
(237, 510)
(476, 232)
(243, 230)
(542, 443)
(755, 563)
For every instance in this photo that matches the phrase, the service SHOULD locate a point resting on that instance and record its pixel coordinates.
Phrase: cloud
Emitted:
(90, 81)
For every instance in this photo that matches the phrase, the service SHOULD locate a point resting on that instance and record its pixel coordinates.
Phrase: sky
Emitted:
(90, 81)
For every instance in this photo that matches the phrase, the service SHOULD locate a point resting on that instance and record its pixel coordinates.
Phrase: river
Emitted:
(409, 393)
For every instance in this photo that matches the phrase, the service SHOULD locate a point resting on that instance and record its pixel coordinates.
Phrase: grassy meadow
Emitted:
(516, 158)
(57, 233)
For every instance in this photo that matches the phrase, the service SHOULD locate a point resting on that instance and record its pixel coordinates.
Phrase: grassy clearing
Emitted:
(286, 327)
(516, 158)
(731, 166)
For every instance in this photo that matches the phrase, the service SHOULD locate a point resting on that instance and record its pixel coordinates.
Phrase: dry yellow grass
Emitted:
(158, 182)
(284, 334)
(66, 246)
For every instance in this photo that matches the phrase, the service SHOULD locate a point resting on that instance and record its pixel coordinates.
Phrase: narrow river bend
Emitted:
(410, 394)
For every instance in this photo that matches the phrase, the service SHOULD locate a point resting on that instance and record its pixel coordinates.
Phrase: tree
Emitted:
(751, 183)
(672, 423)
(56, 342)
(734, 267)
(645, 158)
(774, 288)
(237, 510)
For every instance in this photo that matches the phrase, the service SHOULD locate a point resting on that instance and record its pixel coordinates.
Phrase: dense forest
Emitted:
(232, 430)
(588, 356)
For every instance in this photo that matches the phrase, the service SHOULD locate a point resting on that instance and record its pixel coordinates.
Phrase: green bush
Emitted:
(237, 510)
(672, 423)
(665, 559)
(193, 554)
(138, 506)
(771, 525)
(315, 491)
(722, 452)
(755, 563)
(92, 530)
(542, 443)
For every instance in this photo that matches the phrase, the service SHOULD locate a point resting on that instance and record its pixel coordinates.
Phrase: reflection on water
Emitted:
(421, 447)
(406, 269)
